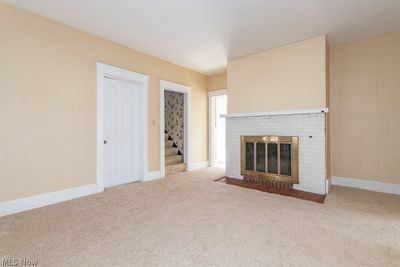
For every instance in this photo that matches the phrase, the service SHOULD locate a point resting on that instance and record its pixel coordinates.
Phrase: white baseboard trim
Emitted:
(367, 185)
(198, 165)
(150, 176)
(24, 204)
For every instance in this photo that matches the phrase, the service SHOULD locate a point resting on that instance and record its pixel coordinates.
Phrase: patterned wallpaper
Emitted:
(174, 117)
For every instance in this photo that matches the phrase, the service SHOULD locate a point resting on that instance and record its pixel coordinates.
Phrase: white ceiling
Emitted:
(203, 34)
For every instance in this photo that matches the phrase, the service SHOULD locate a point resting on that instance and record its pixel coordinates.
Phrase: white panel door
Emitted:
(121, 147)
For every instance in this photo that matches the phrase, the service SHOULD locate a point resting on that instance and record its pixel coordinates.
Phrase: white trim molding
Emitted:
(211, 105)
(367, 185)
(151, 176)
(328, 184)
(276, 113)
(218, 92)
(197, 165)
(24, 204)
(108, 71)
(186, 91)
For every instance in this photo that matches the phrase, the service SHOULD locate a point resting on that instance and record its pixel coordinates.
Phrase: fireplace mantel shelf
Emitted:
(276, 113)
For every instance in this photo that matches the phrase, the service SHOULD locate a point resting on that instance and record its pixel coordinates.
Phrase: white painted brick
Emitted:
(312, 151)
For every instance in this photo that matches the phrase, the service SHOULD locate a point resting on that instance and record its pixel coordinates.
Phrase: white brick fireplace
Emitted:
(308, 125)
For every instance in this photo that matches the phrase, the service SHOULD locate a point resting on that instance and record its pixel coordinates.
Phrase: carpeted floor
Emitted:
(189, 220)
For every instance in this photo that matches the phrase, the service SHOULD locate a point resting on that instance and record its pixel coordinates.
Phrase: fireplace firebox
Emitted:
(270, 157)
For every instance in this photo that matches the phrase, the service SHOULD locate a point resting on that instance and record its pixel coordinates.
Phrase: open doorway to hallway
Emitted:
(218, 105)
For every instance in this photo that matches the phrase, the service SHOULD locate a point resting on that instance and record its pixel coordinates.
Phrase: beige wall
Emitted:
(365, 109)
(328, 115)
(284, 78)
(217, 82)
(48, 103)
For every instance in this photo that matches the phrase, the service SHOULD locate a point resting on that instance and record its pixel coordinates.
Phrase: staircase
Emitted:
(173, 158)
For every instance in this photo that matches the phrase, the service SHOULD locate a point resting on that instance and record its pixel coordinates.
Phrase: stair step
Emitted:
(171, 151)
(173, 160)
(171, 169)
(169, 143)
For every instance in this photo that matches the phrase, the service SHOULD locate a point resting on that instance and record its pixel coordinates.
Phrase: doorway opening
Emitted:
(218, 106)
(174, 132)
(174, 128)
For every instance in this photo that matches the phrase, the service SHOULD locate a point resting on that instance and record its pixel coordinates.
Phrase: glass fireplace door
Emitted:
(270, 157)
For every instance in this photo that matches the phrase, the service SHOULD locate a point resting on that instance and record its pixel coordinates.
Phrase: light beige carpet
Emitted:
(189, 220)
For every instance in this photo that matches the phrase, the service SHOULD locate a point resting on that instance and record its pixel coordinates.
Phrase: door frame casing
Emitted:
(186, 91)
(211, 134)
(103, 71)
